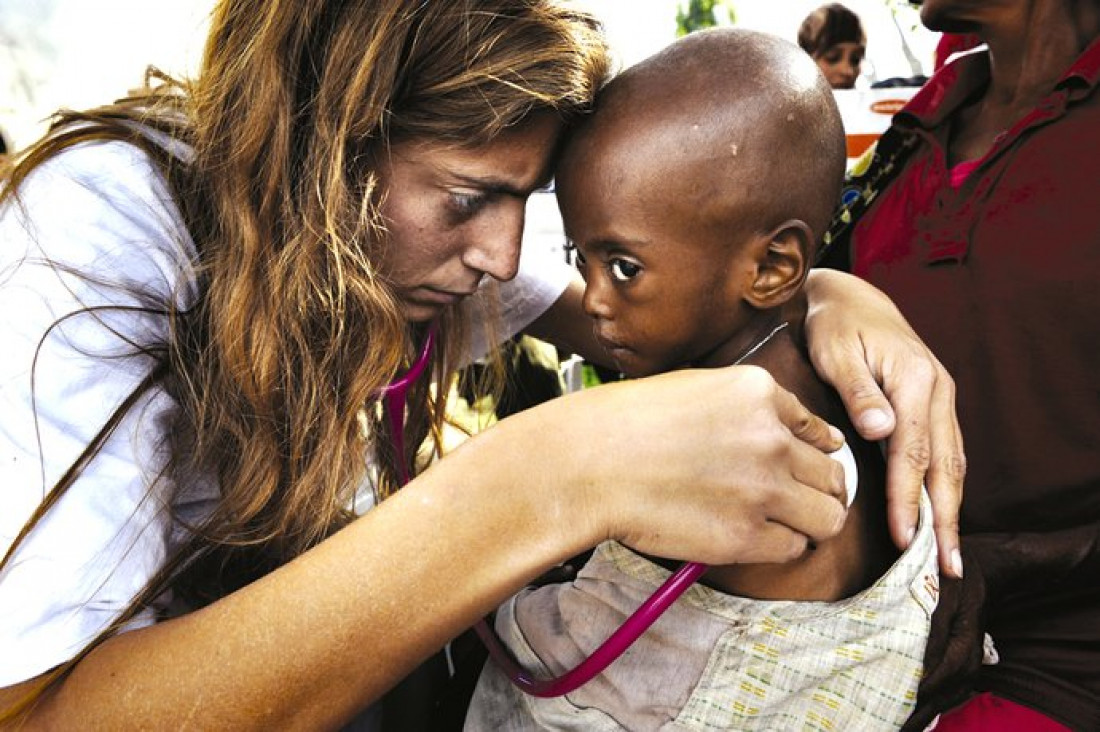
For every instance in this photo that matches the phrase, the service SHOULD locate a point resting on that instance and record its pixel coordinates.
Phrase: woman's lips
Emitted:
(431, 295)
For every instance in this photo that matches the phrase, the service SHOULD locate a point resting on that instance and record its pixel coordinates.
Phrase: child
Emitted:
(695, 197)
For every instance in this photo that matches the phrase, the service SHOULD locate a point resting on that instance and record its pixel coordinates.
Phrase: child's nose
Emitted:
(595, 301)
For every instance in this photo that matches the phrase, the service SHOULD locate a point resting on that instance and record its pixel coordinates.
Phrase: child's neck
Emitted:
(756, 335)
(774, 340)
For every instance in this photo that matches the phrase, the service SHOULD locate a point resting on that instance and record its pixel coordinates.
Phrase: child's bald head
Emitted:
(729, 121)
(695, 196)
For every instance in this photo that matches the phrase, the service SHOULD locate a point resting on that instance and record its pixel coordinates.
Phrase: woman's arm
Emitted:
(894, 389)
(714, 466)
(892, 385)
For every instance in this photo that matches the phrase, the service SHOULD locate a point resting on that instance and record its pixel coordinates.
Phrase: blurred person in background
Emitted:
(833, 35)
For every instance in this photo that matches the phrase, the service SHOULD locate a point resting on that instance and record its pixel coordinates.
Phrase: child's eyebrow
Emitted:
(618, 243)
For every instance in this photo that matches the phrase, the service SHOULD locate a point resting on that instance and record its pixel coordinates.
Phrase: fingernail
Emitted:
(874, 420)
(909, 535)
(957, 563)
(836, 434)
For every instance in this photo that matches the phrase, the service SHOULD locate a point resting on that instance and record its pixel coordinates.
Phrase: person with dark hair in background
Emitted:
(833, 36)
(976, 212)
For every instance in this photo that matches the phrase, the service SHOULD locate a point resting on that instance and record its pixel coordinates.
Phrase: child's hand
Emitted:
(998, 565)
(953, 654)
(894, 389)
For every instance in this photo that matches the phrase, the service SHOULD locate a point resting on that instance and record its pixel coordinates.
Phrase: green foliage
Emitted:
(700, 14)
(589, 377)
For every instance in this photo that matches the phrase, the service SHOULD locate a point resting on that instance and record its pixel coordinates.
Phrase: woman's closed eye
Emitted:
(466, 203)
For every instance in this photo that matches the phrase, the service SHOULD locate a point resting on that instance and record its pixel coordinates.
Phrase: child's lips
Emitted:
(610, 344)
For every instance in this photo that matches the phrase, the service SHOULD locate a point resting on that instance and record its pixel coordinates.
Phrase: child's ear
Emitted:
(782, 264)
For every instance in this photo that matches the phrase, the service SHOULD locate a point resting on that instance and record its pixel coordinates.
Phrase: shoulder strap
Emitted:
(869, 176)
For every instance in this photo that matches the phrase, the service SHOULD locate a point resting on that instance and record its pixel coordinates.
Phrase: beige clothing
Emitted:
(716, 661)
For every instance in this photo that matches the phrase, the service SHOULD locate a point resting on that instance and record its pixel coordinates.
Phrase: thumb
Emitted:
(864, 400)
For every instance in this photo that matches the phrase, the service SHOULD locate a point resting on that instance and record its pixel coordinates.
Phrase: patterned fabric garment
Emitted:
(716, 661)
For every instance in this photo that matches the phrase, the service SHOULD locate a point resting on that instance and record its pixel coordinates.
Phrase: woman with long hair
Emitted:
(207, 290)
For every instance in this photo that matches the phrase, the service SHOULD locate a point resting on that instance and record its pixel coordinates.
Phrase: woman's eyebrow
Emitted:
(499, 185)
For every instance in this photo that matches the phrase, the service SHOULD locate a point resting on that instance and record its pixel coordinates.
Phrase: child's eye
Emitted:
(623, 270)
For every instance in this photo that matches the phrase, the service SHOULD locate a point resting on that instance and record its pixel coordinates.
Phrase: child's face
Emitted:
(664, 284)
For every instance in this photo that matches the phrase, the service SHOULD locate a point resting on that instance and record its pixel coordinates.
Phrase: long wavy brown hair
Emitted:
(277, 365)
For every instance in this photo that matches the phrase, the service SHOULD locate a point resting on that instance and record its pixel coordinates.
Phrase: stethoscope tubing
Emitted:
(394, 398)
(615, 645)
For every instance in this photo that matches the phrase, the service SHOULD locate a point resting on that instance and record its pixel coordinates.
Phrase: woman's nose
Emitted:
(496, 245)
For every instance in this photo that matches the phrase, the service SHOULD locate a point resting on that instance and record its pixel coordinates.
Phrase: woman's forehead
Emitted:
(517, 161)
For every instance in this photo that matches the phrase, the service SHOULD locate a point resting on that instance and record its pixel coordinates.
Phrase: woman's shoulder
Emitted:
(101, 207)
(107, 165)
(97, 176)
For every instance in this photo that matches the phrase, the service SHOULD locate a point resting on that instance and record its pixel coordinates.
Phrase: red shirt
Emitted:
(996, 263)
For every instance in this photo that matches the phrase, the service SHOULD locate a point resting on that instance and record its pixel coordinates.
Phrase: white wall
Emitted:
(80, 53)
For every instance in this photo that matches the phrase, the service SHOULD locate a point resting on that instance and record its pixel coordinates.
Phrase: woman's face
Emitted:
(455, 214)
(840, 64)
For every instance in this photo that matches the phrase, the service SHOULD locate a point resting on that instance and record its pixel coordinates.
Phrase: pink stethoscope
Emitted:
(395, 397)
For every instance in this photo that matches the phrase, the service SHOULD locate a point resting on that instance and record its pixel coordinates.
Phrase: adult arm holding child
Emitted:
(895, 389)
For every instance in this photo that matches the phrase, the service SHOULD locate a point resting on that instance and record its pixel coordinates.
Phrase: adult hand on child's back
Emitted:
(954, 650)
(715, 465)
(895, 389)
(997, 565)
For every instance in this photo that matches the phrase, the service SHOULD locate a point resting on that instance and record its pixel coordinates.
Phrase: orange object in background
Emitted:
(867, 113)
